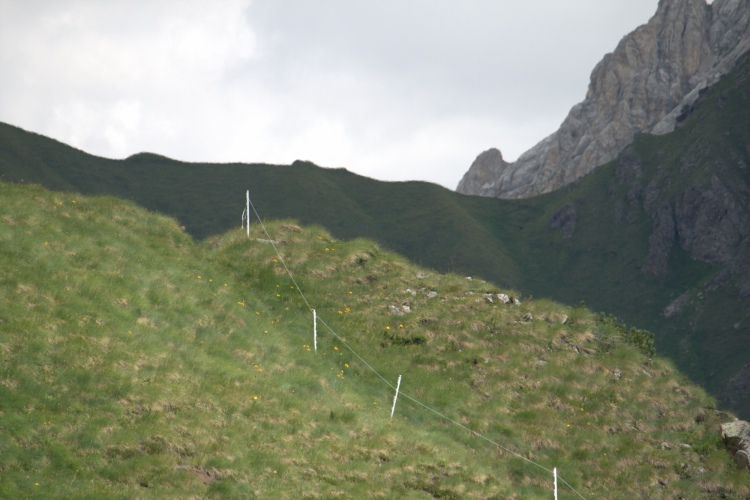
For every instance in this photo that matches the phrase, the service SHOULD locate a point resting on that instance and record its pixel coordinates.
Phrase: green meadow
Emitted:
(138, 362)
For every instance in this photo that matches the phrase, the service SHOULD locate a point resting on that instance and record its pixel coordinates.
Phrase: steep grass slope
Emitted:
(136, 362)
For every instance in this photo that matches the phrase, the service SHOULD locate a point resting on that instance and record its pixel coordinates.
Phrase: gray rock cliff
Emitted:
(654, 74)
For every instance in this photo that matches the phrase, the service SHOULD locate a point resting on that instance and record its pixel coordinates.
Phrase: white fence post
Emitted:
(315, 330)
(247, 210)
(396, 396)
(555, 473)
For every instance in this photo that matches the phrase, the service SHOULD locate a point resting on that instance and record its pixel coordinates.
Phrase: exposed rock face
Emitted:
(661, 241)
(488, 165)
(655, 73)
(710, 222)
(565, 219)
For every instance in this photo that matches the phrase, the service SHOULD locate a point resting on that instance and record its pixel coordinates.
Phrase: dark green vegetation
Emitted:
(137, 363)
(658, 237)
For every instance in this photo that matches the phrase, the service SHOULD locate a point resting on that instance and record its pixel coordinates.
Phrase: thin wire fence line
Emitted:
(373, 370)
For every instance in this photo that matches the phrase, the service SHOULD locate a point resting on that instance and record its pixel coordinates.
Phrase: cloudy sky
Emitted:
(395, 90)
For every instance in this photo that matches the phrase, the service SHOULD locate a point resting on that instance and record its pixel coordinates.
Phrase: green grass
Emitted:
(139, 363)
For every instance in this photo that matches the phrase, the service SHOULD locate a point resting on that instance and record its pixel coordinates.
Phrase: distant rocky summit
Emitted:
(654, 75)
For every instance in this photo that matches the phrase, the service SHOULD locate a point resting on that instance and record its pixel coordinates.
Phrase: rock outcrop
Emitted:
(654, 75)
(565, 219)
(736, 437)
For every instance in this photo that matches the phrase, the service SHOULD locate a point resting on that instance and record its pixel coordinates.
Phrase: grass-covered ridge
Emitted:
(136, 362)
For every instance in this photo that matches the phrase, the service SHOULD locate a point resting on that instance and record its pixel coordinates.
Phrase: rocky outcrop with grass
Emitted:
(736, 437)
(654, 75)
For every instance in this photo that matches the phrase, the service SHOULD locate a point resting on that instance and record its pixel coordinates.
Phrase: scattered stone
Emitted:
(516, 301)
(618, 374)
(665, 446)
(468, 278)
(736, 437)
(557, 318)
(742, 458)
(432, 294)
(528, 317)
(395, 310)
(410, 291)
(503, 298)
(421, 275)
(488, 297)
(406, 308)
(685, 446)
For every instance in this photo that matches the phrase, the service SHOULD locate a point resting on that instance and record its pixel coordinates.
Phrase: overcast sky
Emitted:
(395, 90)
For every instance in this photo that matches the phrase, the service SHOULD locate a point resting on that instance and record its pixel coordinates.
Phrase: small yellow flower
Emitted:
(400, 325)
(255, 398)
(341, 312)
(346, 365)
(387, 327)
(335, 348)
(350, 293)
(199, 277)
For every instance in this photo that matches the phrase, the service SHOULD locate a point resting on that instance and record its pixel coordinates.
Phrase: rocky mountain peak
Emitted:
(488, 165)
(654, 73)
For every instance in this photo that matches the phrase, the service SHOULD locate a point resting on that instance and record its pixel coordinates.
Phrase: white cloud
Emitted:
(393, 90)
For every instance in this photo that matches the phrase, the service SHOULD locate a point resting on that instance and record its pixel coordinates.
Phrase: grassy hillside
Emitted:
(136, 362)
